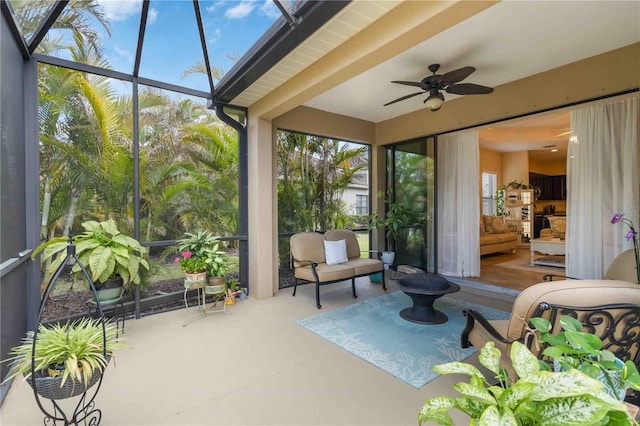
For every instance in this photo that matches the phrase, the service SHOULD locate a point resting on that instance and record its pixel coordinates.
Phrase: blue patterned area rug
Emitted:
(374, 331)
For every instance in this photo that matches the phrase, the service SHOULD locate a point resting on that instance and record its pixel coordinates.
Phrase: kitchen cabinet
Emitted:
(549, 187)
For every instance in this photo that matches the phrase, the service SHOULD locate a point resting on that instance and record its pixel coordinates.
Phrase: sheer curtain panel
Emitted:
(602, 179)
(459, 205)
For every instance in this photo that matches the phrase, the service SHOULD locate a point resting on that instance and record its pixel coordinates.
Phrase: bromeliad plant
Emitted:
(537, 397)
(631, 235)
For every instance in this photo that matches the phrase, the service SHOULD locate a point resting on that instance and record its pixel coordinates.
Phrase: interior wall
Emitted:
(550, 168)
(309, 120)
(491, 161)
(515, 167)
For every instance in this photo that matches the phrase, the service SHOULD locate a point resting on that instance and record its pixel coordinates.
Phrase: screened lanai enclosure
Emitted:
(105, 117)
(258, 119)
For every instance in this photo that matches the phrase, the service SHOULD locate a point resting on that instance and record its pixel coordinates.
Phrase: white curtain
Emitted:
(459, 205)
(602, 179)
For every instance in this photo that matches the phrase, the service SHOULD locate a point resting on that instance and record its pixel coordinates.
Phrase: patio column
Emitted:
(263, 219)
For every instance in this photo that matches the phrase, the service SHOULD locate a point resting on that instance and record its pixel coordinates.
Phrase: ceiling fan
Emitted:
(447, 82)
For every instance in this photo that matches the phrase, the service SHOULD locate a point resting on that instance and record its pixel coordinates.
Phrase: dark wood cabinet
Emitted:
(550, 187)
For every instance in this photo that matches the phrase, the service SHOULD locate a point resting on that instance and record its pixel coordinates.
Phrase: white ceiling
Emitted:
(506, 42)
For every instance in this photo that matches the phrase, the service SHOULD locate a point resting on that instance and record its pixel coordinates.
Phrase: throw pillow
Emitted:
(335, 252)
(494, 224)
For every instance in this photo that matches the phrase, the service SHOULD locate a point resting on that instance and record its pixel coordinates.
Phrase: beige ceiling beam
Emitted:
(403, 27)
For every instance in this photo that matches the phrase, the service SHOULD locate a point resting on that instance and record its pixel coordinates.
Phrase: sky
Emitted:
(172, 43)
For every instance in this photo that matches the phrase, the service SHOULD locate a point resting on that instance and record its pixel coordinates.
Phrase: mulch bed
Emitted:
(68, 304)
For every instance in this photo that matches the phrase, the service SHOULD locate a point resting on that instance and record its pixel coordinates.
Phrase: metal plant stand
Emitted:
(49, 387)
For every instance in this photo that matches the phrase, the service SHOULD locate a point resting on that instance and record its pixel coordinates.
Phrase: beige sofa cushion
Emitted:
(306, 247)
(489, 239)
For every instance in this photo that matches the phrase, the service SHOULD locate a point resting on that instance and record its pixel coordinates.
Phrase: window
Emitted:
(362, 204)
(489, 187)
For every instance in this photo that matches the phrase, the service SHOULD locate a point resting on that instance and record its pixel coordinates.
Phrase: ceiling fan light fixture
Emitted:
(434, 101)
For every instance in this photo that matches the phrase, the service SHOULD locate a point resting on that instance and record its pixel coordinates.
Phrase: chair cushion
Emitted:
(335, 252)
(306, 247)
(325, 272)
(363, 266)
(577, 293)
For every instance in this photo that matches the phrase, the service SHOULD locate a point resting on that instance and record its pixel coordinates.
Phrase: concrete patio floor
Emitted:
(253, 367)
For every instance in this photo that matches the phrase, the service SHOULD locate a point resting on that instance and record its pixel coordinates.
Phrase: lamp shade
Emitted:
(434, 101)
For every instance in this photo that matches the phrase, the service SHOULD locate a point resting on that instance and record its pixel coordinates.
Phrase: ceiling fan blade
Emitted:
(403, 98)
(409, 83)
(468, 89)
(455, 76)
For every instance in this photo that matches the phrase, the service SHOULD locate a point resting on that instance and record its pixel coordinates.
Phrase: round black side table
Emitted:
(424, 289)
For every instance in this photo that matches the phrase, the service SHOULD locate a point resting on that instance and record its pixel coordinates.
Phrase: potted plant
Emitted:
(200, 256)
(574, 348)
(537, 397)
(217, 263)
(233, 290)
(396, 217)
(195, 267)
(112, 258)
(67, 359)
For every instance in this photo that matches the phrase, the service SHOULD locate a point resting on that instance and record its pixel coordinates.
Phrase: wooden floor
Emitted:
(516, 279)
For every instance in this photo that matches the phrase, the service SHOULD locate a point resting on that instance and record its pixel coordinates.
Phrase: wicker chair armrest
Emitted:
(472, 318)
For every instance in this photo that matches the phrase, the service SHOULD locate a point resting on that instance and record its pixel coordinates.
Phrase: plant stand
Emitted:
(202, 290)
(49, 387)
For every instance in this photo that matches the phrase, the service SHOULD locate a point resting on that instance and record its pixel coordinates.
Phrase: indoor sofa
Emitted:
(495, 237)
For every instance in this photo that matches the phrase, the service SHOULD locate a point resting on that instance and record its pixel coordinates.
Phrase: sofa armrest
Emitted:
(377, 253)
(472, 318)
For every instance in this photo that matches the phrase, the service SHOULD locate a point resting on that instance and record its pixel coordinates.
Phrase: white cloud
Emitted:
(214, 6)
(240, 11)
(152, 16)
(270, 10)
(216, 36)
(119, 10)
(124, 53)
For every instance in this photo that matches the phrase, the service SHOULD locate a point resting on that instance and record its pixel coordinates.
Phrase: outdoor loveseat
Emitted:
(330, 258)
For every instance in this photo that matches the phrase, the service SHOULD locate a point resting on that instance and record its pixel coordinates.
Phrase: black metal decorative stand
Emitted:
(49, 387)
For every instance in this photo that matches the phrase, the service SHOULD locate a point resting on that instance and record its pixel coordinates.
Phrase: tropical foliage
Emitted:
(188, 158)
(537, 397)
(313, 173)
(77, 349)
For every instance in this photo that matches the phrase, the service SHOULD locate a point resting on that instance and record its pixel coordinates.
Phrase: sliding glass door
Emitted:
(411, 179)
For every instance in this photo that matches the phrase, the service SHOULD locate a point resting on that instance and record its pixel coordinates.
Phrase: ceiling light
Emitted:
(434, 101)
